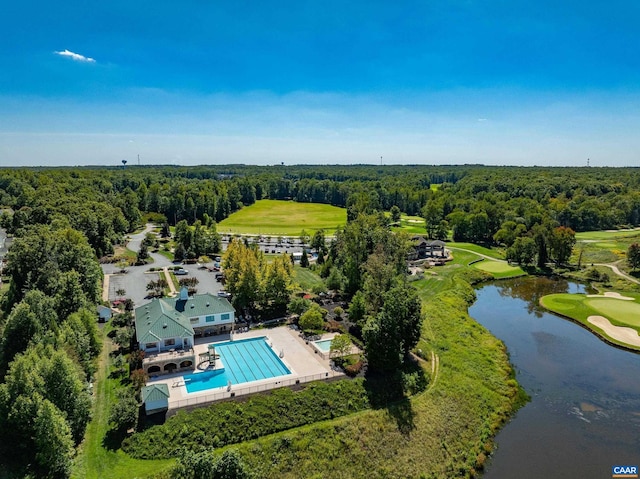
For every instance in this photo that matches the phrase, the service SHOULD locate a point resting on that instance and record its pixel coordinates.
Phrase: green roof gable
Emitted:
(169, 317)
(201, 305)
(158, 320)
(155, 392)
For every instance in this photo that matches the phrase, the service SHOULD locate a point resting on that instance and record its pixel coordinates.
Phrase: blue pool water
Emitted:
(324, 345)
(244, 361)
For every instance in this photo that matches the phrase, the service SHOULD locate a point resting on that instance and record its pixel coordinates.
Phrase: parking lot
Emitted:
(287, 245)
(135, 280)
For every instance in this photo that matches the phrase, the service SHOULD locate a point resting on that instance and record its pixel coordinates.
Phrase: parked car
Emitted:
(181, 272)
(224, 294)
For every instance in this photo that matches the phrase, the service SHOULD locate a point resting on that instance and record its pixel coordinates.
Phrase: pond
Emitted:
(584, 414)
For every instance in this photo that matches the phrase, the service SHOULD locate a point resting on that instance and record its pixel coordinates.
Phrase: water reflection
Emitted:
(531, 291)
(584, 415)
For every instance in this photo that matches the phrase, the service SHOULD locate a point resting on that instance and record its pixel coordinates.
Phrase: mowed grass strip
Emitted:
(95, 460)
(499, 269)
(273, 217)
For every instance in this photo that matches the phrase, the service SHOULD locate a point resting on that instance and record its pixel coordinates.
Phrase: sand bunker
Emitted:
(610, 294)
(619, 333)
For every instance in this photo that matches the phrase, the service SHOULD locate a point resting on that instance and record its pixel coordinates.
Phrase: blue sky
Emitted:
(211, 82)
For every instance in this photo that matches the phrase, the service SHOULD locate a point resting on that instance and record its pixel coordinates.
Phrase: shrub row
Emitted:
(233, 422)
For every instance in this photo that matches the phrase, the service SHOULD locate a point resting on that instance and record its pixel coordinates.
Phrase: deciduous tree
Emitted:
(561, 241)
(340, 345)
(395, 330)
(633, 256)
(53, 442)
(311, 319)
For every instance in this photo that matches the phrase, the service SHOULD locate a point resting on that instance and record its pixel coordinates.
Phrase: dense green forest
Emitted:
(104, 203)
(63, 220)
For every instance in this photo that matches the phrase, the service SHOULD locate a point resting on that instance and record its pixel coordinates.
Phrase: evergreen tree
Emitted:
(304, 260)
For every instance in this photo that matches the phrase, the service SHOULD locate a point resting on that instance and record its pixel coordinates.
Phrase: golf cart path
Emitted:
(615, 269)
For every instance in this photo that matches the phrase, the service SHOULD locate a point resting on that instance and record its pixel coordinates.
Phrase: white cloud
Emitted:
(75, 56)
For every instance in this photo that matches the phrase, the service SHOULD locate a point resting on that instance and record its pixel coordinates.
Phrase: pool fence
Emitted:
(240, 390)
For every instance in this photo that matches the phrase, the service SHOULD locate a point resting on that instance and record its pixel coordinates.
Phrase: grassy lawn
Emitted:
(306, 278)
(272, 217)
(492, 253)
(126, 253)
(94, 460)
(166, 254)
(499, 269)
(174, 280)
(594, 251)
(579, 307)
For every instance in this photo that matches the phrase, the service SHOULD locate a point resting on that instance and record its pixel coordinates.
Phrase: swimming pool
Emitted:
(244, 361)
(323, 345)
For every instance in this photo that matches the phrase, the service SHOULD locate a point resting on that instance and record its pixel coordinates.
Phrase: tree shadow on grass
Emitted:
(113, 439)
(386, 390)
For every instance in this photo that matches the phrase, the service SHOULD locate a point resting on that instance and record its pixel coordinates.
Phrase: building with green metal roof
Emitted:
(170, 323)
(155, 398)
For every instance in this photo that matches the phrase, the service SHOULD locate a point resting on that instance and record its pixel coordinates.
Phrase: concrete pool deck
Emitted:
(301, 359)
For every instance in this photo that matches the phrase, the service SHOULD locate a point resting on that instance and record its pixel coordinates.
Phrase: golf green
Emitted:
(618, 313)
(626, 312)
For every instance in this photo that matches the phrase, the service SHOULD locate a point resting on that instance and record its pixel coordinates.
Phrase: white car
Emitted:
(181, 272)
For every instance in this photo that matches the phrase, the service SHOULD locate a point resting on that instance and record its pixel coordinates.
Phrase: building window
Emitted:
(194, 320)
(170, 342)
(210, 319)
(150, 345)
(225, 316)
